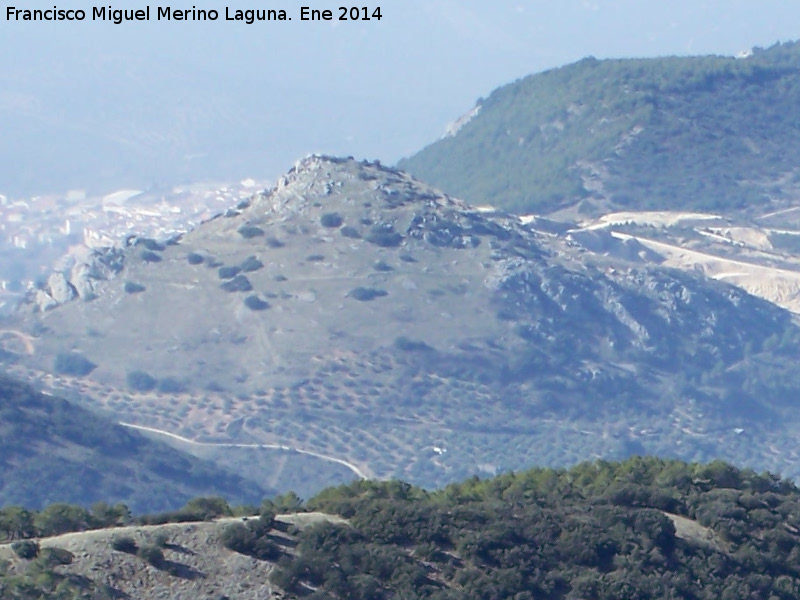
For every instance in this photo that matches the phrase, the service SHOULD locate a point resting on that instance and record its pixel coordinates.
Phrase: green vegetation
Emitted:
(250, 231)
(408, 345)
(363, 294)
(251, 538)
(250, 264)
(705, 133)
(124, 543)
(350, 232)
(254, 302)
(150, 257)
(21, 524)
(26, 549)
(384, 236)
(228, 272)
(140, 381)
(72, 363)
(193, 258)
(151, 554)
(197, 509)
(240, 283)
(61, 518)
(131, 287)
(332, 220)
(644, 528)
(56, 451)
(52, 557)
(41, 578)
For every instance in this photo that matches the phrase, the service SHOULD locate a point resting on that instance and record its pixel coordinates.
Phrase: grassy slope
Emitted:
(708, 133)
(54, 451)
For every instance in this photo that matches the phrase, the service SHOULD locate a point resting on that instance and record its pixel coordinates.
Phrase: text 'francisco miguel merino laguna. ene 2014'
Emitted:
(161, 13)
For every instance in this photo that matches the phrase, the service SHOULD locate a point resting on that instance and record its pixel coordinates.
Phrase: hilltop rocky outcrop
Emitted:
(80, 282)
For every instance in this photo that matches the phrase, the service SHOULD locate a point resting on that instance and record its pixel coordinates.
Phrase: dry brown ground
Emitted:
(201, 566)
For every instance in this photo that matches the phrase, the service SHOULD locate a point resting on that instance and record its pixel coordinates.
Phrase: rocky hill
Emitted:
(362, 321)
(56, 451)
(185, 560)
(702, 133)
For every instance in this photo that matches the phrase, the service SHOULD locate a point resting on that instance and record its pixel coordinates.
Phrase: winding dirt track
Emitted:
(27, 341)
(361, 474)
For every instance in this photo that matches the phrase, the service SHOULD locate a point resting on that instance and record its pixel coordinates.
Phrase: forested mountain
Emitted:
(52, 450)
(702, 133)
(643, 529)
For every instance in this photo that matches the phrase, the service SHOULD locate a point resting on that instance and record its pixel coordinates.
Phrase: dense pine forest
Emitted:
(644, 528)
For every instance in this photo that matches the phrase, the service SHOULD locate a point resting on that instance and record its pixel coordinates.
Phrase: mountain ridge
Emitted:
(707, 133)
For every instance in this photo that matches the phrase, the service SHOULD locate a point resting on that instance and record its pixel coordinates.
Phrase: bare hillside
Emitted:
(196, 563)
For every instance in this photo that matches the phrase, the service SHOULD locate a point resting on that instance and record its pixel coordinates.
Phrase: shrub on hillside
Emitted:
(193, 258)
(331, 220)
(237, 537)
(152, 554)
(350, 232)
(124, 543)
(70, 363)
(253, 302)
(363, 294)
(26, 549)
(250, 231)
(251, 539)
(132, 287)
(228, 272)
(251, 263)
(240, 283)
(150, 256)
(384, 236)
(208, 507)
(408, 345)
(52, 557)
(140, 381)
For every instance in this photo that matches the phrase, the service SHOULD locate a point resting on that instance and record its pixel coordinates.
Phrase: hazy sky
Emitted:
(377, 89)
